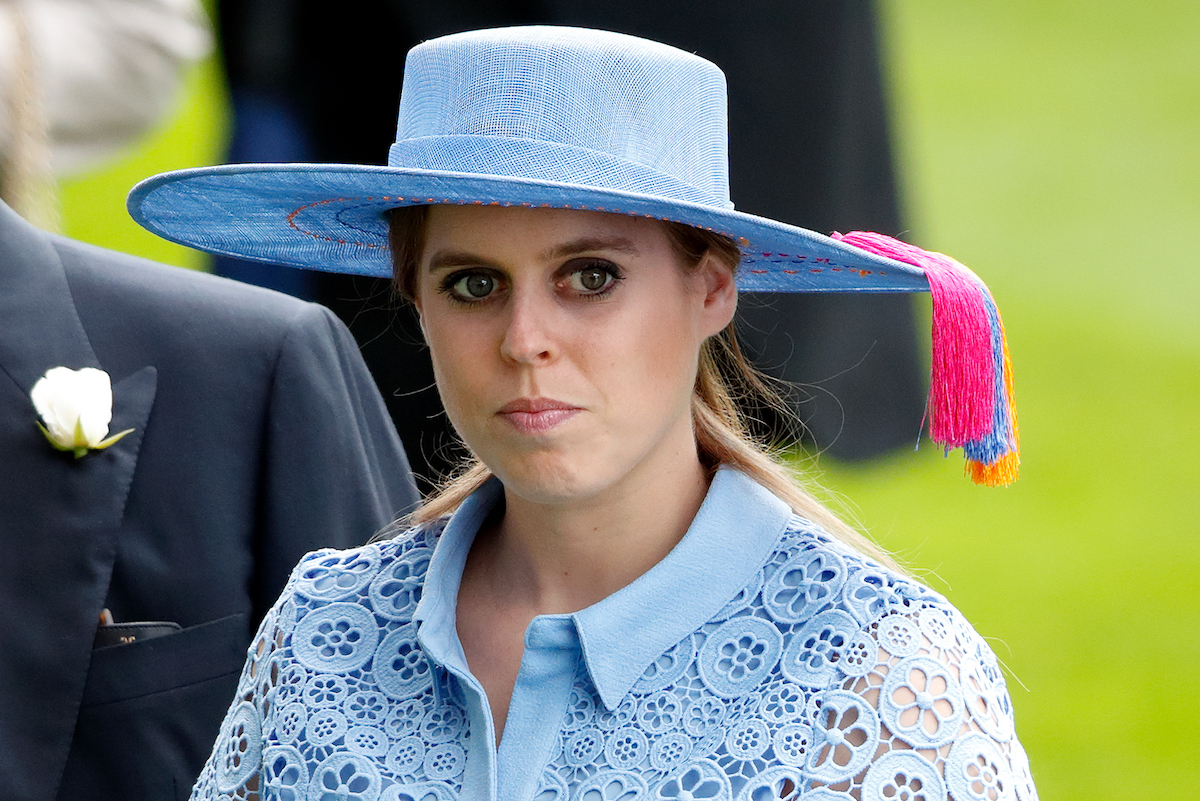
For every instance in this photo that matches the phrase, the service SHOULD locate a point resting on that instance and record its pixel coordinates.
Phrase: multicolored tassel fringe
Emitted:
(971, 382)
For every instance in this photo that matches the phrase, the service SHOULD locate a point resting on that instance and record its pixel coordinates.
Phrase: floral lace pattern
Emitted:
(826, 678)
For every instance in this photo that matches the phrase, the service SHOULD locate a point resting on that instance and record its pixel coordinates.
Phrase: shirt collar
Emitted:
(435, 612)
(730, 538)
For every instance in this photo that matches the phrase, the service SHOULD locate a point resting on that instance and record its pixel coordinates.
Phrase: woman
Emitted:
(623, 598)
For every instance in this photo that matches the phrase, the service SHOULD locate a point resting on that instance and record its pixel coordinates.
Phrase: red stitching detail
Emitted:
(291, 220)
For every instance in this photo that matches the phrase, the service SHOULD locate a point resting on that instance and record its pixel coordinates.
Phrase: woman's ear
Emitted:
(720, 294)
(420, 318)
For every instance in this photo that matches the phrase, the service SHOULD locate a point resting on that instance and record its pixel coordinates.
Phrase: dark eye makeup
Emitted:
(590, 278)
(469, 286)
(585, 278)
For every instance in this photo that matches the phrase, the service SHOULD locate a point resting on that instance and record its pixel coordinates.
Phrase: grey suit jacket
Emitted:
(258, 436)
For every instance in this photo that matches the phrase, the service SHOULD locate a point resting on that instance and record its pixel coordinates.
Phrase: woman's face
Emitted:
(565, 343)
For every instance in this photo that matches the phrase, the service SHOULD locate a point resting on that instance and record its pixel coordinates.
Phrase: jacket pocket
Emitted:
(151, 711)
(191, 656)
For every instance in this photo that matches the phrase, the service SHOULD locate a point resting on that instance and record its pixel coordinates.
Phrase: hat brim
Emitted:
(332, 217)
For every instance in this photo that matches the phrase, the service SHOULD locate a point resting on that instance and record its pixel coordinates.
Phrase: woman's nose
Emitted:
(527, 338)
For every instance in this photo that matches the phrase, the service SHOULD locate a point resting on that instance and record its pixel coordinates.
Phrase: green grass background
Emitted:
(1055, 148)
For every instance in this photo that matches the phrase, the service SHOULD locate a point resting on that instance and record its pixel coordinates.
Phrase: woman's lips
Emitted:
(536, 415)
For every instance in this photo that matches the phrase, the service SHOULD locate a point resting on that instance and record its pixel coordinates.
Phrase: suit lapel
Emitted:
(59, 517)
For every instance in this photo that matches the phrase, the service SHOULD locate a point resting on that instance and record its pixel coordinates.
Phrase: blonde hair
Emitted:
(724, 377)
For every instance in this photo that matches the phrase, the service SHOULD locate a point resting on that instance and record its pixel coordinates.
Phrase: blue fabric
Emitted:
(760, 659)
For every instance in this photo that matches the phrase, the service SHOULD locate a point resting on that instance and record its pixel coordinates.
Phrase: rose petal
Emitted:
(66, 398)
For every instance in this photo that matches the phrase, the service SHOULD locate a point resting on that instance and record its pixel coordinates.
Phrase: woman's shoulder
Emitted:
(387, 574)
(817, 587)
(832, 573)
(423, 535)
(836, 575)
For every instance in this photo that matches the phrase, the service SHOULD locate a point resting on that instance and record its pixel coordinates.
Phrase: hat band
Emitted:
(539, 160)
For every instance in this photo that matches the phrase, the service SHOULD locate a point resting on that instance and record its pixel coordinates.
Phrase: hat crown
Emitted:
(573, 105)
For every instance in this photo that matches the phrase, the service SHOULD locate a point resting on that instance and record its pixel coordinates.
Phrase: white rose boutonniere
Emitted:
(76, 408)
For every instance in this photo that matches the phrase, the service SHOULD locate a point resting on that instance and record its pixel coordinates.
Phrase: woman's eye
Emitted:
(592, 279)
(474, 286)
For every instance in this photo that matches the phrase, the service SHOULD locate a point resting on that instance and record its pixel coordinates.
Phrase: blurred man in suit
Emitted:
(257, 435)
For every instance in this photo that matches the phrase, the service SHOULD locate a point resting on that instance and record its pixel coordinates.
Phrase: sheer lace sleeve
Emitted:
(921, 711)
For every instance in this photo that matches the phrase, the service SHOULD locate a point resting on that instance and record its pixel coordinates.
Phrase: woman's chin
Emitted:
(550, 478)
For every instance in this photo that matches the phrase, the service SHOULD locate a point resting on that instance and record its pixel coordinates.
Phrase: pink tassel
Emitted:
(970, 387)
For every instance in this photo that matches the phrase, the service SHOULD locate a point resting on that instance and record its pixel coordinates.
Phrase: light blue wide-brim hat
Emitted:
(571, 118)
(540, 116)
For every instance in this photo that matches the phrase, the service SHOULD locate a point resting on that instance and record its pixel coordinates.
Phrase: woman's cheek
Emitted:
(450, 373)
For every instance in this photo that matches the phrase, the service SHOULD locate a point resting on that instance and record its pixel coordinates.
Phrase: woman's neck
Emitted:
(533, 559)
(559, 558)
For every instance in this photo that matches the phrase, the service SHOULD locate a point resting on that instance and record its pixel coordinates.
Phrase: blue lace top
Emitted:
(760, 660)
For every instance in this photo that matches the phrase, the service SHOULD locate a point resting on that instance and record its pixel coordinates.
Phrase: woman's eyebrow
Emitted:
(449, 259)
(590, 244)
